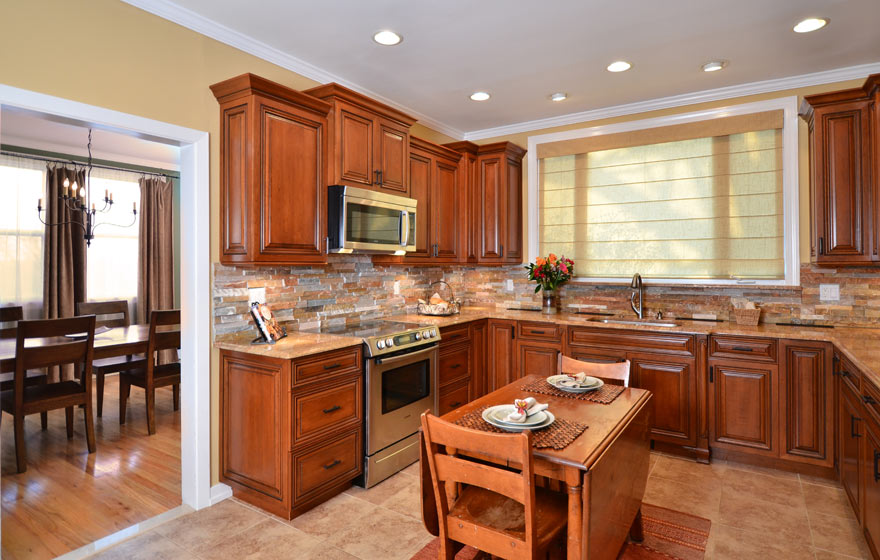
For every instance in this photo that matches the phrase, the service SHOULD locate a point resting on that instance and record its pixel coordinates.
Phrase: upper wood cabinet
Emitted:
(845, 173)
(369, 145)
(273, 181)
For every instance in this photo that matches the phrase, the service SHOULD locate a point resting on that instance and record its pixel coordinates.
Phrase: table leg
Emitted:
(637, 530)
(575, 518)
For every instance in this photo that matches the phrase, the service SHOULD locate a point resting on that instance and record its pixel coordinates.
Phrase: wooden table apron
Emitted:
(605, 469)
(118, 341)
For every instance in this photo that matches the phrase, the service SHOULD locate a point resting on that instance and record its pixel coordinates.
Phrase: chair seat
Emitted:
(165, 374)
(483, 507)
(119, 363)
(45, 394)
(31, 377)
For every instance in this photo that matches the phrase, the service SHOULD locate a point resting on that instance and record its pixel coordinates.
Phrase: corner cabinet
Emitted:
(273, 144)
(845, 173)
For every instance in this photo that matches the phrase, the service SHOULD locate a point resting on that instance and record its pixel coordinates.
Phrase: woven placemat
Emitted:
(555, 436)
(603, 395)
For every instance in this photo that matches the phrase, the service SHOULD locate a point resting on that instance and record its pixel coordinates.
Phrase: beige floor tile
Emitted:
(210, 524)
(838, 534)
(696, 499)
(783, 491)
(149, 546)
(267, 540)
(340, 511)
(687, 471)
(761, 470)
(407, 501)
(752, 514)
(412, 470)
(731, 543)
(820, 481)
(827, 500)
(828, 555)
(383, 534)
(385, 490)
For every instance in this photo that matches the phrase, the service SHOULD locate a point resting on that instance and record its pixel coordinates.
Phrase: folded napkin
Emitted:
(577, 380)
(524, 408)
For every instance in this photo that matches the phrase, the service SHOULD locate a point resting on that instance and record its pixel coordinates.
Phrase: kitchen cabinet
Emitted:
(501, 353)
(849, 435)
(871, 477)
(479, 332)
(273, 181)
(369, 142)
(454, 369)
(742, 406)
(538, 347)
(845, 173)
(807, 402)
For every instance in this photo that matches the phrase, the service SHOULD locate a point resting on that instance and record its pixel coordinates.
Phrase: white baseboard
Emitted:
(220, 492)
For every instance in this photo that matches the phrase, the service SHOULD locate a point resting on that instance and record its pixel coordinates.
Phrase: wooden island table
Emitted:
(604, 470)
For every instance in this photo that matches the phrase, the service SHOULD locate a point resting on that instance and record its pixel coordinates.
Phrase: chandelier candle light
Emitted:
(550, 273)
(79, 199)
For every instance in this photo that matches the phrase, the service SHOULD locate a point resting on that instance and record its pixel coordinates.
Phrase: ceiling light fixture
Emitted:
(714, 65)
(619, 66)
(480, 96)
(810, 24)
(387, 38)
(559, 96)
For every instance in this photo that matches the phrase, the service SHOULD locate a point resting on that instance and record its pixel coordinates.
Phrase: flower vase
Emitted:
(549, 301)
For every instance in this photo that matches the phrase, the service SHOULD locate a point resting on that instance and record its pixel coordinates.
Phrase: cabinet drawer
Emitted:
(454, 396)
(333, 462)
(661, 343)
(455, 333)
(337, 362)
(871, 399)
(454, 364)
(530, 330)
(326, 411)
(757, 349)
(849, 373)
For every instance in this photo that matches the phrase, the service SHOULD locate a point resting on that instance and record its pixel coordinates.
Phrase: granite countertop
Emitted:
(294, 345)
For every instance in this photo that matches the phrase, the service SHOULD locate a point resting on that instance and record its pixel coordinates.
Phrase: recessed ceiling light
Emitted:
(619, 66)
(559, 96)
(480, 96)
(387, 38)
(810, 24)
(714, 65)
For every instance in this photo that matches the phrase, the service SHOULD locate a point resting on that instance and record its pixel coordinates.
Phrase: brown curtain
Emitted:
(64, 255)
(155, 248)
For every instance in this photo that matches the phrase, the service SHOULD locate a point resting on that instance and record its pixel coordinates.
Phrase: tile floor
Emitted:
(755, 513)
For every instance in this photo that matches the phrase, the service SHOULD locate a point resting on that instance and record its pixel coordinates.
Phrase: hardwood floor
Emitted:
(68, 498)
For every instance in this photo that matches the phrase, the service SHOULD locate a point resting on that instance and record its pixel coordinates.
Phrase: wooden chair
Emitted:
(22, 400)
(114, 314)
(618, 372)
(154, 375)
(497, 510)
(9, 317)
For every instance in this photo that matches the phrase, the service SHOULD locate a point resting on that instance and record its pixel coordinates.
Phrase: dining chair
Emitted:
(615, 371)
(496, 510)
(113, 314)
(154, 375)
(22, 400)
(9, 318)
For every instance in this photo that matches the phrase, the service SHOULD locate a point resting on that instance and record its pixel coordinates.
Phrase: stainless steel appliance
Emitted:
(401, 383)
(363, 221)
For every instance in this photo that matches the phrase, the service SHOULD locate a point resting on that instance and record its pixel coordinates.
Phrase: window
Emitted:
(708, 199)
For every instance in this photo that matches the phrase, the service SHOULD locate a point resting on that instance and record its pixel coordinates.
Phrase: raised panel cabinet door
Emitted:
(537, 358)
(673, 384)
(479, 370)
(843, 183)
(743, 406)
(354, 149)
(253, 409)
(492, 208)
(420, 189)
(806, 394)
(445, 210)
(234, 204)
(849, 440)
(393, 153)
(501, 353)
(871, 469)
(513, 230)
(292, 188)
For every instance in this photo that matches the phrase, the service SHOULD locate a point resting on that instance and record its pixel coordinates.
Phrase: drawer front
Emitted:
(454, 364)
(530, 330)
(337, 362)
(849, 374)
(454, 397)
(871, 400)
(597, 356)
(333, 462)
(453, 334)
(661, 343)
(739, 347)
(327, 411)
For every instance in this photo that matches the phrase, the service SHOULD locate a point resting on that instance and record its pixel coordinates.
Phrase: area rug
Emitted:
(668, 534)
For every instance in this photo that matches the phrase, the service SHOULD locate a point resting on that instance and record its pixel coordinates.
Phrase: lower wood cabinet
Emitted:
(871, 477)
(742, 406)
(673, 382)
(501, 353)
(806, 389)
(479, 332)
(455, 372)
(849, 435)
(536, 358)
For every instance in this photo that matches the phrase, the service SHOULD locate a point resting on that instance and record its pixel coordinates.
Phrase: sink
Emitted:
(647, 323)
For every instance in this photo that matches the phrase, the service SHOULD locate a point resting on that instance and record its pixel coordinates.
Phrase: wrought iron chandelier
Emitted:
(79, 199)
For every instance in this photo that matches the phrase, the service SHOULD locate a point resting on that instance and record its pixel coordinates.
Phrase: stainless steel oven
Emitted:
(364, 221)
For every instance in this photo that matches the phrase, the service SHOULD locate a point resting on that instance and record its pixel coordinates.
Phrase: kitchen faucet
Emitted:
(636, 285)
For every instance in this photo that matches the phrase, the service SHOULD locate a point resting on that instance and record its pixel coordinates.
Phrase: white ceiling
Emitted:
(521, 51)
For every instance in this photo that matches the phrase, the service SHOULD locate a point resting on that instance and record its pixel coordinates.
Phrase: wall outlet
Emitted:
(256, 295)
(509, 284)
(829, 292)
(397, 287)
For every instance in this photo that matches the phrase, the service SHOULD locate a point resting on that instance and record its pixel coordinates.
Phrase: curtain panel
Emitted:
(155, 247)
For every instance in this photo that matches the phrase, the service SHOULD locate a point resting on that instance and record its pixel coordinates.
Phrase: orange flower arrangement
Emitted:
(551, 272)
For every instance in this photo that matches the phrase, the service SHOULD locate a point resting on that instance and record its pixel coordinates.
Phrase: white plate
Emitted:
(552, 380)
(500, 412)
(519, 427)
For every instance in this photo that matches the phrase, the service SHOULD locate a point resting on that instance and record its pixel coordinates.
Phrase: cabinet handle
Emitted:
(869, 399)
(711, 374)
(326, 245)
(455, 366)
(332, 366)
(502, 252)
(876, 466)
(378, 180)
(457, 404)
(329, 466)
(333, 408)
(538, 332)
(844, 373)
(821, 246)
(742, 349)
(852, 426)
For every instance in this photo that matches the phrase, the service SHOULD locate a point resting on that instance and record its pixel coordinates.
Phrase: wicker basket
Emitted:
(747, 317)
(434, 310)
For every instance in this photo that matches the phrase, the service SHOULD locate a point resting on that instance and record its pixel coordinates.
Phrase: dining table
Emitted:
(604, 471)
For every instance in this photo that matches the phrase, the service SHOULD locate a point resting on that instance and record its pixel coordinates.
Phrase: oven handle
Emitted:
(405, 357)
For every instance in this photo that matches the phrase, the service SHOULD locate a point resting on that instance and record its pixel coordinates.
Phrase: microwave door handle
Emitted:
(404, 228)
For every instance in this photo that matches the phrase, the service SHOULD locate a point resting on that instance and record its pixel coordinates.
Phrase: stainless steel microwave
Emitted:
(362, 221)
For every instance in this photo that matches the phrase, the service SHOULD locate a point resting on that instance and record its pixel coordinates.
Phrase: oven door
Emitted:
(399, 389)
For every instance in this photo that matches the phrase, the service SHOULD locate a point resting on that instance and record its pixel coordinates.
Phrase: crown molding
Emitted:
(729, 92)
(200, 24)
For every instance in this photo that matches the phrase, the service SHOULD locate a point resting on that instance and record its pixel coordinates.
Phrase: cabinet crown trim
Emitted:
(249, 84)
(333, 91)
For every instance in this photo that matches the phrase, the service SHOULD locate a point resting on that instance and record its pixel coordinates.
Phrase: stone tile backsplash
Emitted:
(351, 289)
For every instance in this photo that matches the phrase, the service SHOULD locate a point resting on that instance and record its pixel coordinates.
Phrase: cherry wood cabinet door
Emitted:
(871, 473)
(491, 221)
(479, 371)
(743, 405)
(235, 201)
(513, 228)
(355, 135)
(673, 383)
(850, 428)
(392, 157)
(420, 174)
(537, 358)
(446, 210)
(807, 402)
(502, 353)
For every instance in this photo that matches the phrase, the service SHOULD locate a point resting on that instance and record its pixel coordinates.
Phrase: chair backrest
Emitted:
(444, 443)
(616, 371)
(9, 318)
(110, 313)
(162, 337)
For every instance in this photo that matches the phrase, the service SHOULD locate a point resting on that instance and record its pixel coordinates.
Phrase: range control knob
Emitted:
(418, 336)
(433, 332)
(428, 334)
(380, 344)
(389, 342)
